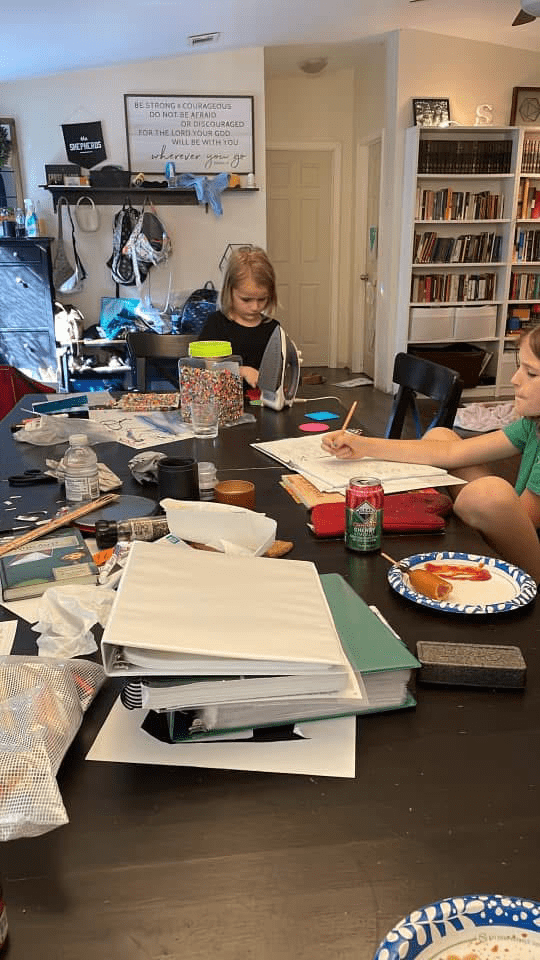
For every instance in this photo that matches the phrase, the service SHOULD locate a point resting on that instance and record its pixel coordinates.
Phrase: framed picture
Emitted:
(525, 110)
(11, 189)
(198, 134)
(431, 112)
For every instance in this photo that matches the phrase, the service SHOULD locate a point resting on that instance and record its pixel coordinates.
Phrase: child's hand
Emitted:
(345, 446)
(251, 375)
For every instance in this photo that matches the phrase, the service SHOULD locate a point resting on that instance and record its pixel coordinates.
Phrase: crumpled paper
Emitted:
(66, 615)
(107, 479)
(144, 466)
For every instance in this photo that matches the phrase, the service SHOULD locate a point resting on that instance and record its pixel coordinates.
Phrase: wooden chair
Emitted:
(156, 347)
(417, 376)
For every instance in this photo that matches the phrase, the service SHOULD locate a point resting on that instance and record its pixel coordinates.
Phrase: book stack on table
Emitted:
(217, 643)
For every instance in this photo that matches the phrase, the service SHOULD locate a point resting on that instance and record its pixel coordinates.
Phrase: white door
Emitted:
(371, 249)
(299, 245)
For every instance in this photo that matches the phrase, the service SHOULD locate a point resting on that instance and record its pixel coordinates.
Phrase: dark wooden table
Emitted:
(162, 862)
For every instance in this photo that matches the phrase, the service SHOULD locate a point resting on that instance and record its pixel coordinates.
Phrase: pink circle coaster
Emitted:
(313, 427)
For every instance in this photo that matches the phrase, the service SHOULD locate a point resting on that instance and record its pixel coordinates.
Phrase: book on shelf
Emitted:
(53, 561)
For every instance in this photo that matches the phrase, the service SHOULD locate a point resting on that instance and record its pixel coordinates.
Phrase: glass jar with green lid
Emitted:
(212, 370)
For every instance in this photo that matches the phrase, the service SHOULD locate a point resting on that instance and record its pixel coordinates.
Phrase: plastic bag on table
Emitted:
(42, 702)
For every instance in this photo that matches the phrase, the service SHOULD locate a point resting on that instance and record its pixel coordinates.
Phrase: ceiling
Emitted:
(40, 39)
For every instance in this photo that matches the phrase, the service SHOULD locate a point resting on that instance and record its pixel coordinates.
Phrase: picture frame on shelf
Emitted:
(431, 112)
(525, 110)
(11, 188)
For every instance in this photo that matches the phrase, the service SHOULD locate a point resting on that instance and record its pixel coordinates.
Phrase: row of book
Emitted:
(467, 248)
(448, 204)
(452, 287)
(464, 156)
(525, 286)
(526, 245)
(528, 206)
(530, 157)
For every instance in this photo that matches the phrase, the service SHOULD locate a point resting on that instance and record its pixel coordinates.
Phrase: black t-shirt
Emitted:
(247, 342)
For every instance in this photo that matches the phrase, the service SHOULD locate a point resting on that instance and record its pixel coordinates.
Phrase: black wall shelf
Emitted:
(116, 195)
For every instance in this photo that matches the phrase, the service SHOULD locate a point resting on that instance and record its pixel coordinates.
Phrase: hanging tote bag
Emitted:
(67, 279)
(87, 215)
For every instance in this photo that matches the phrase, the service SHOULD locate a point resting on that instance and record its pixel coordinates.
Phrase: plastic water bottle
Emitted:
(20, 222)
(30, 219)
(81, 471)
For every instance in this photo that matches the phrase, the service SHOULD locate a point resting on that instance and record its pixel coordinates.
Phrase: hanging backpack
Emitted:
(120, 263)
(148, 244)
(198, 307)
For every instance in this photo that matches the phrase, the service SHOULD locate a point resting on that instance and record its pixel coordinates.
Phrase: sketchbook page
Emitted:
(223, 609)
(306, 455)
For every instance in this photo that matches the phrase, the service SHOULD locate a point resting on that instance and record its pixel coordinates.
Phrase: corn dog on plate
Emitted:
(462, 583)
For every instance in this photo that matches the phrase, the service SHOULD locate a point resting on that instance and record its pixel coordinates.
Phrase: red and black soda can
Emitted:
(364, 514)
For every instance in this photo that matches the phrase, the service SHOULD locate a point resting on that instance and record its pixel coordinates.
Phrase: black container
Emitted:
(178, 478)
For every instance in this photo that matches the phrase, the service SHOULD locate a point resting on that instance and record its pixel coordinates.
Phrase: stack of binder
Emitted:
(221, 643)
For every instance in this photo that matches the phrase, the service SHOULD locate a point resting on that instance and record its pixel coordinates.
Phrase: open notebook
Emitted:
(327, 473)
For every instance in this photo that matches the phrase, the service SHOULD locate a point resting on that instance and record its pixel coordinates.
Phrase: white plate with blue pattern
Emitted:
(478, 927)
(508, 587)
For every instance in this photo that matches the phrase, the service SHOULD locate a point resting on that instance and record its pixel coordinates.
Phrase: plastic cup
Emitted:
(204, 418)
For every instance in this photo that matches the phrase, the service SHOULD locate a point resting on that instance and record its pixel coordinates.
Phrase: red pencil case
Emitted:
(403, 513)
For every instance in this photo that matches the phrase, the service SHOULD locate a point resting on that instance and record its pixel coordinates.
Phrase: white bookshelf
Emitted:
(435, 322)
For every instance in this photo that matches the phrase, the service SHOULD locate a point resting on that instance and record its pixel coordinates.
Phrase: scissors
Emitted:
(29, 478)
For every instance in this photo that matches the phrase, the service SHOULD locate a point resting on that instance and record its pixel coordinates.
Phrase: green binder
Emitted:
(373, 649)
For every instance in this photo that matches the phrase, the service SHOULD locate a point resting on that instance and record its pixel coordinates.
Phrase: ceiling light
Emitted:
(316, 65)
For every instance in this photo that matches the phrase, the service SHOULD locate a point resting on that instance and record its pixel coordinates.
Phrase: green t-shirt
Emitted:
(522, 435)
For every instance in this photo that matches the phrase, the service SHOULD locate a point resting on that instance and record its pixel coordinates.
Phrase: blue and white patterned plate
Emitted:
(481, 926)
(507, 589)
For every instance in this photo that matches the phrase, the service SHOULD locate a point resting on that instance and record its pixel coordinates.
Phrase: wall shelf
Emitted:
(117, 195)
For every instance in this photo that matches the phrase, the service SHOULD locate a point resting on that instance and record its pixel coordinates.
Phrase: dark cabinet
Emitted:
(27, 308)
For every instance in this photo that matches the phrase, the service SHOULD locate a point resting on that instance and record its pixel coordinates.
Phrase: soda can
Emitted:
(364, 514)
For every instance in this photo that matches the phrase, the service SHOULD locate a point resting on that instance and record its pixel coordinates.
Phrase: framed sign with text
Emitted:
(199, 134)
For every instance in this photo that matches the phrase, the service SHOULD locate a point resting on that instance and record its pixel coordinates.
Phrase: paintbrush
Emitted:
(62, 521)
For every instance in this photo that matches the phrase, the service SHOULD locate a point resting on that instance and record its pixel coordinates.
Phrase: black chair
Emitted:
(417, 376)
(157, 348)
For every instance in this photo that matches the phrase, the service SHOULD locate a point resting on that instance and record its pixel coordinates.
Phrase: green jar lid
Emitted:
(210, 348)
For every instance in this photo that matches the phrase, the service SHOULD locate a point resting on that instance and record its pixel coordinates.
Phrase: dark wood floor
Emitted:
(374, 409)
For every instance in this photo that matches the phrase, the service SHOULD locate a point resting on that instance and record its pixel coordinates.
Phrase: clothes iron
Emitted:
(279, 372)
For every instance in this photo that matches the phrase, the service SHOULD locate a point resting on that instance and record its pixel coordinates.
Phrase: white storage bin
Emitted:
(508, 367)
(474, 323)
(431, 323)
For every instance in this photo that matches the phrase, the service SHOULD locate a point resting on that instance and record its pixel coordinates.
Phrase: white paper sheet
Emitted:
(327, 473)
(328, 749)
(141, 430)
(8, 629)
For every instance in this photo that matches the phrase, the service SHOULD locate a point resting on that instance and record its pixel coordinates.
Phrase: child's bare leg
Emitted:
(492, 506)
(466, 473)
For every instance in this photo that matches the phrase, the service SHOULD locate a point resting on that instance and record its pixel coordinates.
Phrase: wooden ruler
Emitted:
(62, 521)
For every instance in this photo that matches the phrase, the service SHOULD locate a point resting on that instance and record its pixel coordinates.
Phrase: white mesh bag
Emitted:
(42, 702)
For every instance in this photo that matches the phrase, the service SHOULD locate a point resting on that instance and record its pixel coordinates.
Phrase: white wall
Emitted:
(427, 65)
(40, 106)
